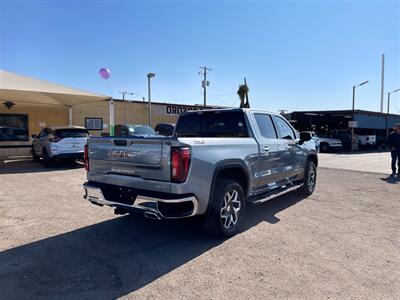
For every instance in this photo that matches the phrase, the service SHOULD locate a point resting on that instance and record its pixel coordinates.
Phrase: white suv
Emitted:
(328, 144)
(59, 143)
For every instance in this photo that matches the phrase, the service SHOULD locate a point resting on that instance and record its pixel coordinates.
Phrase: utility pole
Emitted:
(204, 83)
(149, 77)
(382, 81)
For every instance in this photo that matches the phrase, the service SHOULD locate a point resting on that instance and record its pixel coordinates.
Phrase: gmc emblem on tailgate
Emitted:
(120, 154)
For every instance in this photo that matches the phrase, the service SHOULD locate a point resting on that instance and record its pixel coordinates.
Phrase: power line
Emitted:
(222, 95)
(226, 100)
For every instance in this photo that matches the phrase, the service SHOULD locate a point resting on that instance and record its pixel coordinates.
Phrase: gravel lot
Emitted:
(342, 242)
(374, 162)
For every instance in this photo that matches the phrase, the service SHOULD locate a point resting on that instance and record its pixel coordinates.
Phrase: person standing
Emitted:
(394, 146)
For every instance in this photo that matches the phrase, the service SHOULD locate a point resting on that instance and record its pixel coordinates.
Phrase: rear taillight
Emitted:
(86, 157)
(180, 163)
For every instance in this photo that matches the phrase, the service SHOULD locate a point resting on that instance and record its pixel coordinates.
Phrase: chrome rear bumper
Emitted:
(147, 205)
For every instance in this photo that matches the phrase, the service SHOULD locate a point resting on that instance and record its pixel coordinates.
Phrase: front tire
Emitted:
(226, 209)
(310, 179)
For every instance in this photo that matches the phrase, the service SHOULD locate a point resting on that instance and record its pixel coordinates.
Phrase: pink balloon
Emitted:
(104, 73)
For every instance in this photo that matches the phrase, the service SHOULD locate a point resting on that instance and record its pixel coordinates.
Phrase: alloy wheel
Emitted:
(231, 209)
(311, 178)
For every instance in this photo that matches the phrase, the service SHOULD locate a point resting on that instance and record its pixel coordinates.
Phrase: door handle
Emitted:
(265, 149)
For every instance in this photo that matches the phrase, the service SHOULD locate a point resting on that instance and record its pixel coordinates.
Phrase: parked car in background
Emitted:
(59, 143)
(344, 136)
(165, 129)
(367, 140)
(134, 130)
(216, 162)
(328, 144)
(315, 138)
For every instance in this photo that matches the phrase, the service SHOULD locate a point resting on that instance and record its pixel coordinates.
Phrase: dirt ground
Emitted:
(342, 242)
(373, 162)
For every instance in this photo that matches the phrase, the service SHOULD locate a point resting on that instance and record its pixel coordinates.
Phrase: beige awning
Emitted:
(18, 88)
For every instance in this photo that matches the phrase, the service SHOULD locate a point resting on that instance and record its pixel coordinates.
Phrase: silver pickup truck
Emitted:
(215, 162)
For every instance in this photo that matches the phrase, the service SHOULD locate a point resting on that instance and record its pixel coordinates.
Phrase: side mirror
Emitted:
(305, 136)
(34, 136)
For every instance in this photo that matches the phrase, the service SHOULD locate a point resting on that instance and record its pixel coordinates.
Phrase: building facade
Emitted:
(19, 122)
(338, 123)
(28, 105)
(96, 118)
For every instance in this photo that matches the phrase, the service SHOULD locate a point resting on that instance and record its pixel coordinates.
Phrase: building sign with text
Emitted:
(177, 109)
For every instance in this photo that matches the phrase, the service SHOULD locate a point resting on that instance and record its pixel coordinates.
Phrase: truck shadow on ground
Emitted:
(30, 166)
(113, 258)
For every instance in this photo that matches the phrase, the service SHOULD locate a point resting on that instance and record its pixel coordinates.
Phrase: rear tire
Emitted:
(310, 179)
(48, 162)
(226, 209)
(35, 157)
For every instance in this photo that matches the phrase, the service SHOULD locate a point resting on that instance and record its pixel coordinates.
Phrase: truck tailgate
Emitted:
(147, 158)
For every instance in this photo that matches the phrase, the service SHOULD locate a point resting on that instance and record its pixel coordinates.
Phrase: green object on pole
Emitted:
(112, 118)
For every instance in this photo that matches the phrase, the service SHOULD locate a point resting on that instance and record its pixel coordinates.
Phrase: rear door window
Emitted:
(221, 124)
(44, 133)
(266, 126)
(71, 133)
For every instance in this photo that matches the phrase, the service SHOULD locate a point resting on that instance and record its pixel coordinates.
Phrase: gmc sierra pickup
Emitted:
(215, 162)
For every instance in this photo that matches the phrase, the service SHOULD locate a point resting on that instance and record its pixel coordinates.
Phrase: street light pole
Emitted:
(353, 139)
(388, 111)
(352, 118)
(149, 77)
(123, 99)
(131, 94)
(388, 106)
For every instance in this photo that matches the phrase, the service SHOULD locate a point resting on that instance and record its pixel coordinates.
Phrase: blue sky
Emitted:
(296, 55)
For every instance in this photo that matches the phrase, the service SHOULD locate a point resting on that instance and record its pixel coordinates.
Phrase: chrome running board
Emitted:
(272, 196)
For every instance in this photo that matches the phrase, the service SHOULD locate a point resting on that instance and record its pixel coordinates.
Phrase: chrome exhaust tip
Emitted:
(152, 215)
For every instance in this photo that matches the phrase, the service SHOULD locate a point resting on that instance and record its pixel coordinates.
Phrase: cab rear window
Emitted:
(71, 133)
(221, 124)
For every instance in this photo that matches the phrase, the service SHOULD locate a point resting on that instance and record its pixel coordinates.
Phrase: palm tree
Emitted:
(243, 93)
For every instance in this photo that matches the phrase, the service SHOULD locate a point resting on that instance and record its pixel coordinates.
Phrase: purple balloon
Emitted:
(104, 73)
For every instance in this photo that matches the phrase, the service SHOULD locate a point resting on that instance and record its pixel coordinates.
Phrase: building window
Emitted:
(94, 123)
(14, 127)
